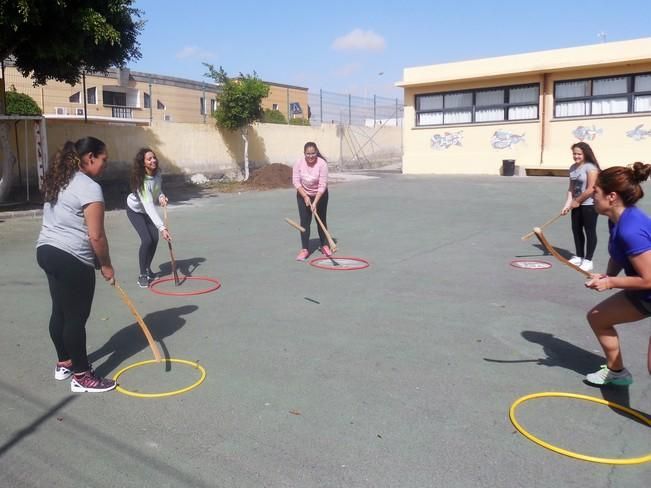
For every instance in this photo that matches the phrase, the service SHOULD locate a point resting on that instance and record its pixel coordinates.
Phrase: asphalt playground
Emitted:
(397, 375)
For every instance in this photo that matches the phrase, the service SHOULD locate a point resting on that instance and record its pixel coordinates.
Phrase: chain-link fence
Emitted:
(338, 108)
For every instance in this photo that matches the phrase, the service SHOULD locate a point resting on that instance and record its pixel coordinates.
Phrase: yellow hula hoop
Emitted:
(163, 394)
(565, 452)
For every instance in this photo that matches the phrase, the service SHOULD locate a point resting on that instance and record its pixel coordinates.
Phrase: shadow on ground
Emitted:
(130, 340)
(566, 355)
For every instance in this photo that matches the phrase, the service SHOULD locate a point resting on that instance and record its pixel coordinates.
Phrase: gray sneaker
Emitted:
(607, 377)
(143, 281)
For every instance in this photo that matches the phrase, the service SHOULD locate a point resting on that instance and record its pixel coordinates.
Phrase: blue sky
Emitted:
(361, 47)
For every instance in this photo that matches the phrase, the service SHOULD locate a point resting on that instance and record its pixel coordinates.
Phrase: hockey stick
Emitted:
(141, 323)
(539, 234)
(169, 245)
(549, 222)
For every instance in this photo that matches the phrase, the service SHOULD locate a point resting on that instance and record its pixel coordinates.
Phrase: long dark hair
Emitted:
(66, 163)
(318, 153)
(588, 153)
(625, 181)
(138, 169)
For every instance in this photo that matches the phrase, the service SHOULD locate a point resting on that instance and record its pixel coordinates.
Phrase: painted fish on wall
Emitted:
(583, 133)
(638, 133)
(503, 139)
(444, 141)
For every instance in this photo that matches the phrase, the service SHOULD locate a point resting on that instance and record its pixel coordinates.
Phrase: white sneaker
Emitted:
(586, 265)
(576, 260)
(607, 377)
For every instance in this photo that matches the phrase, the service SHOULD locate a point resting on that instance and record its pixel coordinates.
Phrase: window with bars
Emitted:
(497, 104)
(603, 96)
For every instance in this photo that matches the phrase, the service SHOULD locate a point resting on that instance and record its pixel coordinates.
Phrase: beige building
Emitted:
(470, 116)
(133, 97)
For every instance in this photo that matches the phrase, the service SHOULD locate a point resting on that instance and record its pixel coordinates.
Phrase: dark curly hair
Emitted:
(66, 163)
(625, 181)
(138, 169)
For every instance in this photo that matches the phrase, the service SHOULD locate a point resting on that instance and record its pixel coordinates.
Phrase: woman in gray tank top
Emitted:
(583, 175)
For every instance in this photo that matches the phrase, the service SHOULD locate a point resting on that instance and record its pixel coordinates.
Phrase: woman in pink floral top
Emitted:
(310, 178)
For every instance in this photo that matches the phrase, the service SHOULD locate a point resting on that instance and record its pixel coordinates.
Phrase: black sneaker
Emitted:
(151, 276)
(90, 383)
(143, 281)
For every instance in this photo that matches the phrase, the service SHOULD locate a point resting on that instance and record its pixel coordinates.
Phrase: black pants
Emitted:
(584, 229)
(305, 214)
(72, 287)
(148, 234)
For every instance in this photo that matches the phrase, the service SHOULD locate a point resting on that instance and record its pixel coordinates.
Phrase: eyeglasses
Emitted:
(311, 155)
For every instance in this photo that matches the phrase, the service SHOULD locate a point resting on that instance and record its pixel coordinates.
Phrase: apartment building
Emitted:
(127, 96)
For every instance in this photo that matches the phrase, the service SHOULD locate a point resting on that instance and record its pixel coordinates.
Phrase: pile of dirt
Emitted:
(274, 175)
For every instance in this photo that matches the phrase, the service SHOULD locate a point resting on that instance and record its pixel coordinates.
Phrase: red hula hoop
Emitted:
(363, 263)
(155, 283)
(546, 263)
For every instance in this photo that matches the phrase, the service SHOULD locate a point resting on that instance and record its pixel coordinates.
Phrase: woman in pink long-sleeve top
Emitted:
(310, 178)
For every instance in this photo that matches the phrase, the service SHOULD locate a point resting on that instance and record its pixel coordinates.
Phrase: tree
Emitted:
(60, 40)
(21, 104)
(239, 104)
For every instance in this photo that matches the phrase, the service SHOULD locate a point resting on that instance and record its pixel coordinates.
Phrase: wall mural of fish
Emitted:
(583, 133)
(446, 140)
(503, 139)
(638, 133)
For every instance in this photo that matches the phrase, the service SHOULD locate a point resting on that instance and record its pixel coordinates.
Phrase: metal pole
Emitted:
(83, 84)
(350, 111)
(151, 105)
(3, 87)
(321, 104)
(26, 162)
(396, 112)
(374, 109)
(288, 106)
(203, 102)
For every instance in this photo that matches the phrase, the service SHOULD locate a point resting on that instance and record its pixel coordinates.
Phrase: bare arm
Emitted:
(568, 200)
(642, 265)
(94, 215)
(589, 189)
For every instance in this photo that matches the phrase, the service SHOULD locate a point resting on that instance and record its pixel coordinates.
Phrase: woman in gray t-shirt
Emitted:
(71, 243)
(583, 175)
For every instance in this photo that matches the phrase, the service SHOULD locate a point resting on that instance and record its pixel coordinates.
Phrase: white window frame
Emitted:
(460, 107)
(633, 97)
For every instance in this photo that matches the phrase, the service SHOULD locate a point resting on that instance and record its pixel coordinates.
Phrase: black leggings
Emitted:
(305, 213)
(72, 287)
(148, 238)
(584, 218)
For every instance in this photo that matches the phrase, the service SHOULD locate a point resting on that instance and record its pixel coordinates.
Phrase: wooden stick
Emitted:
(169, 245)
(331, 242)
(538, 233)
(528, 236)
(141, 323)
(294, 224)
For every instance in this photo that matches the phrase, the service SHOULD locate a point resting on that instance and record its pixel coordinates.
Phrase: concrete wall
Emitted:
(202, 148)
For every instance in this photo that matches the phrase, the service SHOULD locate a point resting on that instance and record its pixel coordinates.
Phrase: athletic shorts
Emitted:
(643, 306)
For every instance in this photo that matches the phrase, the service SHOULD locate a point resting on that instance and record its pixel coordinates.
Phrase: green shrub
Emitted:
(273, 117)
(21, 104)
(299, 121)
